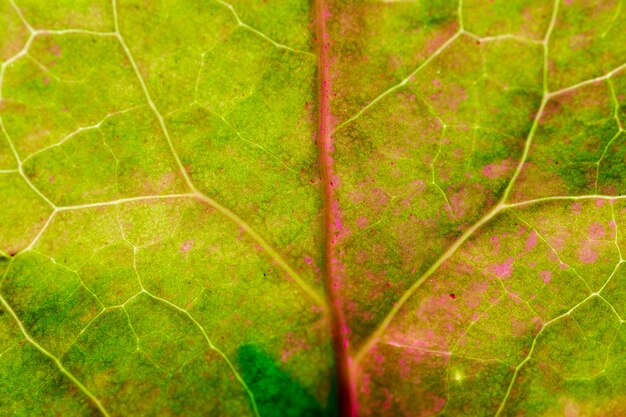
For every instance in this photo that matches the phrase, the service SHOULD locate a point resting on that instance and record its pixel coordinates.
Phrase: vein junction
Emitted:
(193, 194)
(503, 205)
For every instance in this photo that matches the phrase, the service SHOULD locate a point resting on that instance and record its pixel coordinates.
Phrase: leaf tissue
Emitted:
(331, 208)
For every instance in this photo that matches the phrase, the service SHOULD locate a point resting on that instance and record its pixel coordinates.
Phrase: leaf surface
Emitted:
(481, 175)
(137, 139)
(397, 208)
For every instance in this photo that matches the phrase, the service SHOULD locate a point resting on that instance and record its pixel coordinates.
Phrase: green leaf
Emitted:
(328, 208)
(481, 181)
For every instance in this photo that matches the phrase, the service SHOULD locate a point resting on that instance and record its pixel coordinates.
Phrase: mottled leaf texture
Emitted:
(312, 208)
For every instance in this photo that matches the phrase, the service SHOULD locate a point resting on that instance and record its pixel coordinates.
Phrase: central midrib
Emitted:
(343, 369)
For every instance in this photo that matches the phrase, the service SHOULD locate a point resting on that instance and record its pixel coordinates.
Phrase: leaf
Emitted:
(385, 208)
(481, 181)
(136, 140)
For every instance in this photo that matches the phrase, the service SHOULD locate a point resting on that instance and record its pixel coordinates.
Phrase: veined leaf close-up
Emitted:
(312, 208)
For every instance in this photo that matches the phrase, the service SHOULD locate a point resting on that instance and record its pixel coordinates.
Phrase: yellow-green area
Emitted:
(162, 211)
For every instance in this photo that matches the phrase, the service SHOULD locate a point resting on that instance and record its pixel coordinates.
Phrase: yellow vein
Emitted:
(57, 362)
(212, 346)
(259, 33)
(408, 293)
(273, 254)
(451, 250)
(78, 131)
(125, 200)
(588, 82)
(402, 83)
(562, 198)
(532, 349)
(267, 247)
(375, 336)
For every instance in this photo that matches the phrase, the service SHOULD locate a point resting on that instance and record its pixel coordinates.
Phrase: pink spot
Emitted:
(308, 260)
(459, 202)
(436, 82)
(576, 207)
(493, 171)
(495, 241)
(438, 403)
(361, 222)
(56, 50)
(546, 276)
(186, 247)
(293, 345)
(596, 231)
(600, 202)
(571, 408)
(518, 327)
(504, 270)
(419, 184)
(531, 242)
(587, 255)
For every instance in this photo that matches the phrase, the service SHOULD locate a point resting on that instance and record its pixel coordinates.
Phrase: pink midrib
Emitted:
(332, 222)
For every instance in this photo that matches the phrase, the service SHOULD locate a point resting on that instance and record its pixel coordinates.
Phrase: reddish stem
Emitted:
(332, 223)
